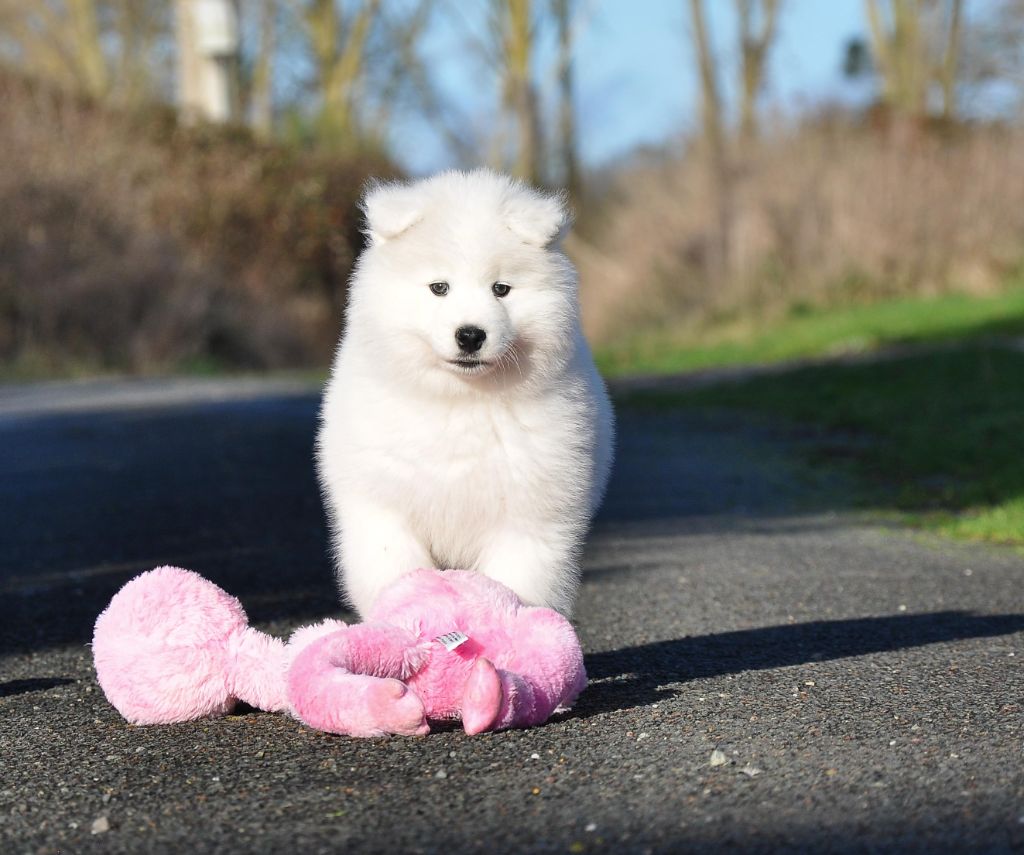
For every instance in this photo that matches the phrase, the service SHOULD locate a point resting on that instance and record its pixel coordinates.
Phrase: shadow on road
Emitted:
(228, 489)
(635, 676)
(34, 684)
(891, 426)
(92, 499)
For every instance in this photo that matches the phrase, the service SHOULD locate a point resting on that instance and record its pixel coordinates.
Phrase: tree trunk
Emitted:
(87, 47)
(950, 61)
(900, 55)
(566, 110)
(340, 65)
(263, 73)
(714, 136)
(754, 49)
(519, 89)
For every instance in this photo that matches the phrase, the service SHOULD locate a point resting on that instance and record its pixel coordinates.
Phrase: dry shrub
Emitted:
(130, 243)
(831, 213)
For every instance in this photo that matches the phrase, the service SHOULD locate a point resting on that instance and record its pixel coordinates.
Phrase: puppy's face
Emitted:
(461, 280)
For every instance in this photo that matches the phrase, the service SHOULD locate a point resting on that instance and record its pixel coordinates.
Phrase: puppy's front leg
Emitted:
(541, 564)
(375, 546)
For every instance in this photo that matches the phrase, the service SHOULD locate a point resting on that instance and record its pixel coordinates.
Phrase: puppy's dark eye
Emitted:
(501, 289)
(439, 288)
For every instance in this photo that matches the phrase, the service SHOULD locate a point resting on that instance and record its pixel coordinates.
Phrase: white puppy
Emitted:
(464, 424)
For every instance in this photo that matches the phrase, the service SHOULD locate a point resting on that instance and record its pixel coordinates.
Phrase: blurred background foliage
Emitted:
(179, 180)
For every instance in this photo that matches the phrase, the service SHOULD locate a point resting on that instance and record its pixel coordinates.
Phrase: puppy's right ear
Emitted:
(391, 209)
(537, 218)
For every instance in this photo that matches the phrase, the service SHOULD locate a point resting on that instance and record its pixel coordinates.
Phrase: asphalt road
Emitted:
(864, 687)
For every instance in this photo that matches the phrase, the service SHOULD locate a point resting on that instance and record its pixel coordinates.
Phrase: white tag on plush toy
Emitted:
(451, 640)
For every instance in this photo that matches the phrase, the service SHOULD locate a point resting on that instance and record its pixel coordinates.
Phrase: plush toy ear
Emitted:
(539, 219)
(391, 209)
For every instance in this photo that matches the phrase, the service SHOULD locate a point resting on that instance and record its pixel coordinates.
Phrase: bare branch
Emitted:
(951, 59)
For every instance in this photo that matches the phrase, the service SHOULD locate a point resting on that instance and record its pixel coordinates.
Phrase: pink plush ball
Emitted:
(161, 646)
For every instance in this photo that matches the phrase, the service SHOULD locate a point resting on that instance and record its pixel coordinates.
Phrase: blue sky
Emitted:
(636, 80)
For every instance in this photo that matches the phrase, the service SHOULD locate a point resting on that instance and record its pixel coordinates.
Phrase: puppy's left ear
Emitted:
(390, 209)
(538, 218)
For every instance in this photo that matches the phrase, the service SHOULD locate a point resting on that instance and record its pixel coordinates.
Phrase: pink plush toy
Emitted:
(451, 644)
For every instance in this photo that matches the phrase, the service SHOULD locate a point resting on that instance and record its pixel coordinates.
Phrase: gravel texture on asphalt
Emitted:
(766, 674)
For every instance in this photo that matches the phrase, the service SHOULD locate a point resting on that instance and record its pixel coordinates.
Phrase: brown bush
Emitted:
(128, 242)
(831, 213)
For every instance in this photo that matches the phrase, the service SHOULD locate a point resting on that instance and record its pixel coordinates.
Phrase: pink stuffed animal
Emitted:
(451, 644)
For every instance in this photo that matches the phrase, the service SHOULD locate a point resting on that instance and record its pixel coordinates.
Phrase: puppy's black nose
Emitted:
(470, 339)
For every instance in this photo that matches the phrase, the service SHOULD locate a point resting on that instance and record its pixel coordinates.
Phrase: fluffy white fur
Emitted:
(496, 467)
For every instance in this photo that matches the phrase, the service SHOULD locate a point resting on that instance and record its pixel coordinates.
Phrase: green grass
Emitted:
(938, 437)
(819, 333)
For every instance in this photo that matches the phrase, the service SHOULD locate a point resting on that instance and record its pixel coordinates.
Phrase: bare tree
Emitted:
(567, 151)
(397, 74)
(714, 133)
(916, 44)
(103, 48)
(951, 60)
(566, 112)
(900, 55)
(993, 50)
(338, 42)
(141, 30)
(518, 140)
(83, 37)
(757, 21)
(61, 41)
(513, 33)
(262, 92)
(366, 63)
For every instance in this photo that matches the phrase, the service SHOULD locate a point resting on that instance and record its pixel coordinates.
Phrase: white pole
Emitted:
(208, 48)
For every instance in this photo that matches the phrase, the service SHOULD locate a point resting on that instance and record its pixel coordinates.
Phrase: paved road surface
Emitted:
(864, 688)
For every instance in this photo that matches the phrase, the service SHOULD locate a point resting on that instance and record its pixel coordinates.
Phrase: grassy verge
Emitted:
(820, 333)
(938, 437)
